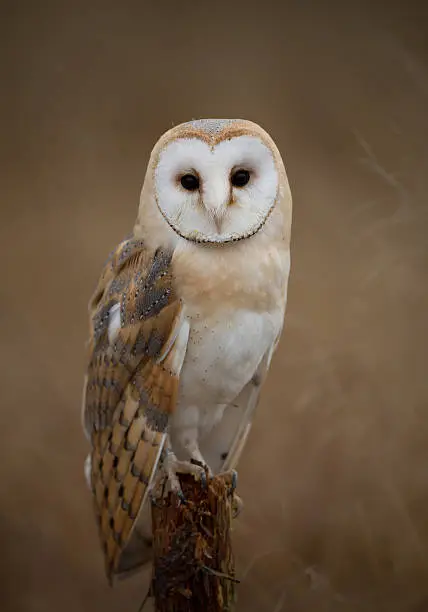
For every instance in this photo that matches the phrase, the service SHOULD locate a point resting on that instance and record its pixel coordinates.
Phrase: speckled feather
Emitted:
(212, 127)
(130, 391)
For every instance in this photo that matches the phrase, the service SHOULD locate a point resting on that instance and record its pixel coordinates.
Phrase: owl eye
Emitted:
(189, 182)
(240, 178)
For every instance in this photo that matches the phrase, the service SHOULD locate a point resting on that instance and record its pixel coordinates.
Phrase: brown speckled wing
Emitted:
(131, 388)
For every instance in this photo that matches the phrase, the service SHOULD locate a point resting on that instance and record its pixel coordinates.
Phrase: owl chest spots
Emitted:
(222, 355)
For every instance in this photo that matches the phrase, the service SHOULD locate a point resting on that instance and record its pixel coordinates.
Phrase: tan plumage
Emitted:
(184, 322)
(128, 392)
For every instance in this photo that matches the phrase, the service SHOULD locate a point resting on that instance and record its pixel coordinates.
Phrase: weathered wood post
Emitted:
(194, 567)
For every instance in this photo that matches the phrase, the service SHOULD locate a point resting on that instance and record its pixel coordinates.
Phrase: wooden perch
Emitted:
(194, 568)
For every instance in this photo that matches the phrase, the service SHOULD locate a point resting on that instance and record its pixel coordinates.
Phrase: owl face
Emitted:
(216, 181)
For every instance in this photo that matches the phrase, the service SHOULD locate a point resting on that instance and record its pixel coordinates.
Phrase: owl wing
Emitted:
(138, 339)
(227, 440)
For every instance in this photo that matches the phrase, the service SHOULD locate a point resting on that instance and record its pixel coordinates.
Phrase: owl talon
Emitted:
(231, 478)
(181, 497)
(173, 467)
(205, 472)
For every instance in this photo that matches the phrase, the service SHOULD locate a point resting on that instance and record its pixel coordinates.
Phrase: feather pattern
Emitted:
(131, 388)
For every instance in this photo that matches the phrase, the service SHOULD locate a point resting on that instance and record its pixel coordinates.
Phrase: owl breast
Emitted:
(235, 303)
(223, 353)
(222, 356)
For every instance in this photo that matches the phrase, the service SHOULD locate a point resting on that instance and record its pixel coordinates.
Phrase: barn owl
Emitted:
(184, 321)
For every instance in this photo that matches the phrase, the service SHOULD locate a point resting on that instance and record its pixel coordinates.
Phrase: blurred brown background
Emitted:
(341, 437)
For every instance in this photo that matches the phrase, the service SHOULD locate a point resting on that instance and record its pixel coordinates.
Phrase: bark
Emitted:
(194, 568)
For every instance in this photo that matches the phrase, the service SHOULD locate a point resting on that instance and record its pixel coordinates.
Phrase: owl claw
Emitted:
(173, 467)
(181, 497)
(231, 477)
(205, 473)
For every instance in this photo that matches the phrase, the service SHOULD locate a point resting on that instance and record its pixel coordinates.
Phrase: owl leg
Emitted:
(230, 476)
(196, 457)
(173, 466)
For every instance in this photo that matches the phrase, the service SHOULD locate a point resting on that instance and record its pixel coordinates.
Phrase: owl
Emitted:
(184, 321)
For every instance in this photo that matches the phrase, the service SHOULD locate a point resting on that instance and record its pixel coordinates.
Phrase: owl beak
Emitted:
(215, 198)
(218, 217)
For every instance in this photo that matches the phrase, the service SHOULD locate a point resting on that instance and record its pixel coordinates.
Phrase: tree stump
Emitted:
(194, 567)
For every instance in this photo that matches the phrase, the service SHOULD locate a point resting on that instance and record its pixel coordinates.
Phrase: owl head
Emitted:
(215, 182)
